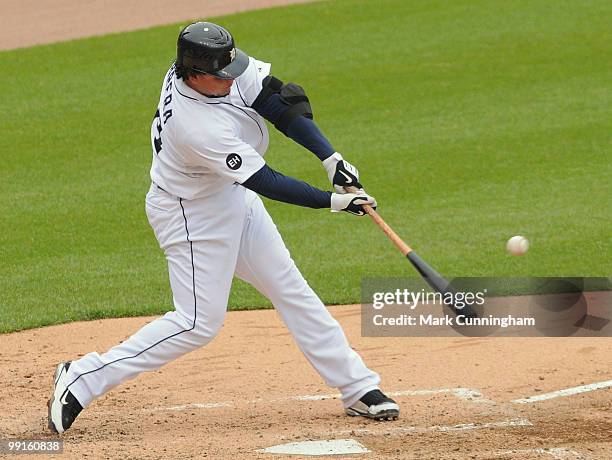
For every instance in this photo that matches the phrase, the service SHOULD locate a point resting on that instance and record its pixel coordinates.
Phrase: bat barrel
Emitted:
(437, 282)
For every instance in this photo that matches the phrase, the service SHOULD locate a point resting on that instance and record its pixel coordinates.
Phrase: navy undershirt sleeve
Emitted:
(302, 130)
(276, 186)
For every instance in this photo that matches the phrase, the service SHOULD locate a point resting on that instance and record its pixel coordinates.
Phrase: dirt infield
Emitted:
(251, 389)
(33, 22)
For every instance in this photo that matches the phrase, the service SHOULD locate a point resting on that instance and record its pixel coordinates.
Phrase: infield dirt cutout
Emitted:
(251, 388)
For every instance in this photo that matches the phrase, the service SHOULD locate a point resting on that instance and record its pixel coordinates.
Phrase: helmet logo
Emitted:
(232, 54)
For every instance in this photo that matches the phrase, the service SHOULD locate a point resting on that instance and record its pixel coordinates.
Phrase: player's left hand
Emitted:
(341, 173)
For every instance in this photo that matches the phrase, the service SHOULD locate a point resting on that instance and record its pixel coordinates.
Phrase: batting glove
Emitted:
(351, 202)
(341, 173)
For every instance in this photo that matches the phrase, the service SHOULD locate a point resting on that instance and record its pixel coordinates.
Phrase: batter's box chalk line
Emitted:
(196, 406)
(466, 394)
(566, 392)
(556, 453)
(513, 423)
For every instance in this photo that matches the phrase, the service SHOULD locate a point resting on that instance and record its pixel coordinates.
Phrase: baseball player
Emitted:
(209, 138)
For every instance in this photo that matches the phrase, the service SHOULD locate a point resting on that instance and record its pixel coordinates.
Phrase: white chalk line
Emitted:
(197, 406)
(565, 392)
(521, 422)
(465, 394)
(558, 453)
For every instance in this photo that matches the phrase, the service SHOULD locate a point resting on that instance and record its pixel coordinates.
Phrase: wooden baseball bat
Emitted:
(431, 276)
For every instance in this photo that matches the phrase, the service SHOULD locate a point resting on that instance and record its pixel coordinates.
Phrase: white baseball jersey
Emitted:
(208, 143)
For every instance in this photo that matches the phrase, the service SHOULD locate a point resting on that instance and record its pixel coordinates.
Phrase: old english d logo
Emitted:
(233, 161)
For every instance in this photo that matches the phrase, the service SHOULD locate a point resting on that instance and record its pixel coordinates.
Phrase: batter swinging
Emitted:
(209, 138)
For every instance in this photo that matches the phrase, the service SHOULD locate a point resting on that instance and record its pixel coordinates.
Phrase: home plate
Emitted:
(332, 447)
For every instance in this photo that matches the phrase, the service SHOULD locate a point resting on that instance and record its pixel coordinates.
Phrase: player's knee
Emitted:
(208, 326)
(203, 327)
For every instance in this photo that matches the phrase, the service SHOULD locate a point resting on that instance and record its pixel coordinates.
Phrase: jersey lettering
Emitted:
(157, 140)
(169, 78)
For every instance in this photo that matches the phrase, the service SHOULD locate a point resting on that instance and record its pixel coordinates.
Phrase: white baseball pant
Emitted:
(206, 242)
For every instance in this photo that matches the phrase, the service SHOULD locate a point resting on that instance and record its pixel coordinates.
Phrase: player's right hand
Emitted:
(351, 202)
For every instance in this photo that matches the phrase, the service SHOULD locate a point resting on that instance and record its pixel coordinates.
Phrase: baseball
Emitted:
(517, 245)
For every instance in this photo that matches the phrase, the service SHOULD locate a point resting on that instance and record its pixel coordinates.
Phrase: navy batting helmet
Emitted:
(204, 47)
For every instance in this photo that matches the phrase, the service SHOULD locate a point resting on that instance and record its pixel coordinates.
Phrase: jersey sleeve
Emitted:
(226, 155)
(250, 82)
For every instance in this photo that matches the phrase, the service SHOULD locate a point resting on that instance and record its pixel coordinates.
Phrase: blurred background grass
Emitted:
(470, 121)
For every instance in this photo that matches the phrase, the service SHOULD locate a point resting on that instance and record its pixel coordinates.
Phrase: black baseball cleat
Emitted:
(63, 406)
(374, 404)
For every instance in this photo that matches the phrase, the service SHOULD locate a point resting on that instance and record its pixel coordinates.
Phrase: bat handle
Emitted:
(394, 237)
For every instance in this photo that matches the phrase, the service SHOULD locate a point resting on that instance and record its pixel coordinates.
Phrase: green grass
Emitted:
(470, 121)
